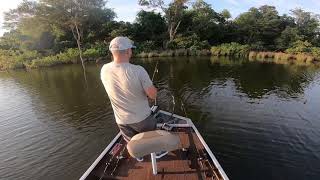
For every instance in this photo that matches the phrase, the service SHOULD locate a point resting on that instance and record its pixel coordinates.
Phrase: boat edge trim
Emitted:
(104, 152)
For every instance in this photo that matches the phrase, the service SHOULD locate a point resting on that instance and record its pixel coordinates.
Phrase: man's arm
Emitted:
(147, 84)
(151, 92)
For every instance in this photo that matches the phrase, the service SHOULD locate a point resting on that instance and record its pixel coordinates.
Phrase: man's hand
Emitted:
(151, 92)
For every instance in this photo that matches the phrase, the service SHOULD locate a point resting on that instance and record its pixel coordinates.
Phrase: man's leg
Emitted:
(127, 131)
(148, 124)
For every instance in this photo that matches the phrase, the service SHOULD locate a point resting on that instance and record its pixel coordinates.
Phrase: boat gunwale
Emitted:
(213, 158)
(104, 152)
(189, 124)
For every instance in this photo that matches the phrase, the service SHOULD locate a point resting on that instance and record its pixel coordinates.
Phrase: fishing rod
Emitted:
(154, 73)
(202, 157)
(156, 70)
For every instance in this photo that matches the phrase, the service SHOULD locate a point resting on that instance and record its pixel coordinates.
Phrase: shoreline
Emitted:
(284, 58)
(261, 56)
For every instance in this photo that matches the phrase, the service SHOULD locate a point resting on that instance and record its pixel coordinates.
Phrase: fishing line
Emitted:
(184, 109)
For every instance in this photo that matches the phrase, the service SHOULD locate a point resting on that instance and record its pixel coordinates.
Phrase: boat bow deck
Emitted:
(192, 161)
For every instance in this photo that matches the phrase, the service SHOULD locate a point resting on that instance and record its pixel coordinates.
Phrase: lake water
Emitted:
(261, 120)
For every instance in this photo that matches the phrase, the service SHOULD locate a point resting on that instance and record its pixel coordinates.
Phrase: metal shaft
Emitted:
(154, 163)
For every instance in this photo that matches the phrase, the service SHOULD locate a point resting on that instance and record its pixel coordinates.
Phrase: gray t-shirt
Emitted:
(125, 84)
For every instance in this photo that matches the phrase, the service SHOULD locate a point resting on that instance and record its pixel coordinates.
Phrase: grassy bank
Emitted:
(10, 59)
(285, 58)
(231, 50)
(298, 54)
(173, 53)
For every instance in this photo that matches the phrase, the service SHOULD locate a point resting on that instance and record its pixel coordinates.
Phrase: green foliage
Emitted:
(189, 42)
(40, 30)
(226, 14)
(230, 49)
(149, 26)
(288, 36)
(102, 48)
(204, 22)
(260, 27)
(315, 51)
(70, 56)
(13, 59)
(45, 62)
(120, 29)
(307, 24)
(185, 42)
(300, 58)
(92, 52)
(176, 52)
(173, 13)
(43, 24)
(146, 46)
(300, 47)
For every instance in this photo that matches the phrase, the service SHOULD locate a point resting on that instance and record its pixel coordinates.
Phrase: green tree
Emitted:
(287, 38)
(248, 25)
(270, 26)
(75, 16)
(226, 14)
(11, 41)
(173, 13)
(149, 26)
(260, 27)
(300, 47)
(308, 24)
(206, 23)
(27, 32)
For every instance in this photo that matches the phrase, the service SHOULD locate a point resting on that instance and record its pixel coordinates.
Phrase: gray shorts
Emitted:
(129, 130)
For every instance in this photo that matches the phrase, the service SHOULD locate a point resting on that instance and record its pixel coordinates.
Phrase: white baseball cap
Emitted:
(121, 43)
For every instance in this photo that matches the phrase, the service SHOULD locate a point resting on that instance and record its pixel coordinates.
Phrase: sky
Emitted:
(127, 9)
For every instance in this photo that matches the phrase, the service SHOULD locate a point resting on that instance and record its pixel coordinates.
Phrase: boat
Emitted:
(192, 160)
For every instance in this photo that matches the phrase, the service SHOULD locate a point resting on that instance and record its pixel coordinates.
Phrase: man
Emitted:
(128, 87)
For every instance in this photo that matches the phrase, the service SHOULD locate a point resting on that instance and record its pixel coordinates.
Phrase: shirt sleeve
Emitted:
(145, 79)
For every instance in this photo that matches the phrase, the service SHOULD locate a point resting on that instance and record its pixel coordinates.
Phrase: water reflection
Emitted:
(252, 79)
(259, 118)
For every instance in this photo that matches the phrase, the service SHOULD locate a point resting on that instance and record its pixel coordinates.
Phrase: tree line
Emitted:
(52, 26)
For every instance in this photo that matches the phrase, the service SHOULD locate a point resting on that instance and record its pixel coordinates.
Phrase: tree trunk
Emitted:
(77, 37)
(79, 47)
(173, 30)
